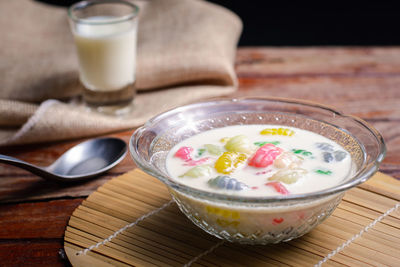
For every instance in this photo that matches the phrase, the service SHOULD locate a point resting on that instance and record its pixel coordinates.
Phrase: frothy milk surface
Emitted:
(263, 160)
(107, 54)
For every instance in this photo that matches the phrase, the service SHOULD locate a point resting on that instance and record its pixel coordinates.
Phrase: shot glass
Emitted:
(105, 33)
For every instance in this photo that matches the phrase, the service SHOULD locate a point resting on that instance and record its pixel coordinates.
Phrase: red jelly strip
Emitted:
(265, 156)
(279, 187)
(196, 162)
(184, 153)
(276, 221)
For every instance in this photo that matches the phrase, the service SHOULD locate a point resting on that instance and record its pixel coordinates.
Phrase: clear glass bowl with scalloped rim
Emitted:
(256, 220)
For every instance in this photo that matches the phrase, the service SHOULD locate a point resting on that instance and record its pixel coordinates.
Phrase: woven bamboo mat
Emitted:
(168, 238)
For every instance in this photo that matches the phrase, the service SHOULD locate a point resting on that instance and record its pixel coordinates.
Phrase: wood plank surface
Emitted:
(358, 81)
(32, 253)
(31, 234)
(36, 220)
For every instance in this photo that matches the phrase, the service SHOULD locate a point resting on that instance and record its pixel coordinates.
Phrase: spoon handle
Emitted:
(24, 165)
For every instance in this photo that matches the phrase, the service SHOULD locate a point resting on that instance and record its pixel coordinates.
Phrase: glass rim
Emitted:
(363, 174)
(87, 3)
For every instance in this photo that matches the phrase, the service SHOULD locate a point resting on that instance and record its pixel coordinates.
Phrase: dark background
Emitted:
(299, 23)
(302, 23)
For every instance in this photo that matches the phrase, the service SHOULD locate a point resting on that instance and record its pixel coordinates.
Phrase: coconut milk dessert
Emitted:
(259, 161)
(107, 53)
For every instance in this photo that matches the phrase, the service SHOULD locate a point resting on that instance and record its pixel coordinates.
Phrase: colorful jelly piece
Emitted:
(339, 155)
(228, 183)
(323, 171)
(260, 144)
(265, 156)
(325, 146)
(226, 213)
(277, 221)
(277, 131)
(184, 153)
(200, 152)
(197, 162)
(239, 143)
(198, 171)
(229, 161)
(279, 187)
(288, 159)
(288, 176)
(328, 156)
(214, 149)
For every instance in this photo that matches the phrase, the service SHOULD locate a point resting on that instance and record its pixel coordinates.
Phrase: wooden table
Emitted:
(360, 81)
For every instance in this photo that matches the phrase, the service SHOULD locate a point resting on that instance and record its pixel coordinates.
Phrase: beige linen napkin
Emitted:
(186, 51)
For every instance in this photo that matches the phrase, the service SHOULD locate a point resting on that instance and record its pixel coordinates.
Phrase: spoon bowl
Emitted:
(83, 161)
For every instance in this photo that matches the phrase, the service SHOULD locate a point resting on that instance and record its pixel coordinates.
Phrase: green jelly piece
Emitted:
(324, 172)
(198, 171)
(260, 144)
(200, 152)
(239, 143)
(214, 149)
(302, 152)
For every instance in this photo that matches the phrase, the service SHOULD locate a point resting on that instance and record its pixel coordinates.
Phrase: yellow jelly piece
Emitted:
(229, 161)
(277, 131)
(240, 143)
(223, 212)
(235, 215)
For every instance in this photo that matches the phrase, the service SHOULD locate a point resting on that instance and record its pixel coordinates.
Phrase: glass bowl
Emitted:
(256, 220)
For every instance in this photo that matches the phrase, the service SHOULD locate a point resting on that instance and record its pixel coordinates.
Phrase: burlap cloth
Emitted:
(186, 51)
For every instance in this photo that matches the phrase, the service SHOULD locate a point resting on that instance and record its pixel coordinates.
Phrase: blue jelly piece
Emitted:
(220, 183)
(226, 182)
(328, 157)
(231, 184)
(339, 155)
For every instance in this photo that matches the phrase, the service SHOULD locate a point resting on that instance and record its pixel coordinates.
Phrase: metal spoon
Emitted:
(81, 162)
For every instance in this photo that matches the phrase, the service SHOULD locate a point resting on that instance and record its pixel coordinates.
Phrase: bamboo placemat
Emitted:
(157, 234)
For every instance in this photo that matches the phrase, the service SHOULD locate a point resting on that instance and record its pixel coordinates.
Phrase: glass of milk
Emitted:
(105, 35)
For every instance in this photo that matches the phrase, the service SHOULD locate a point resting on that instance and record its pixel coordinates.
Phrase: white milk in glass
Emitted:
(107, 54)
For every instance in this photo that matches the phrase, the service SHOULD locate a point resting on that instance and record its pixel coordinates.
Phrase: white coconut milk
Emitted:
(317, 174)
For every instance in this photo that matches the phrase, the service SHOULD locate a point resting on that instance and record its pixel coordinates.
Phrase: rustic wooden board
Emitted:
(169, 238)
(31, 253)
(32, 221)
